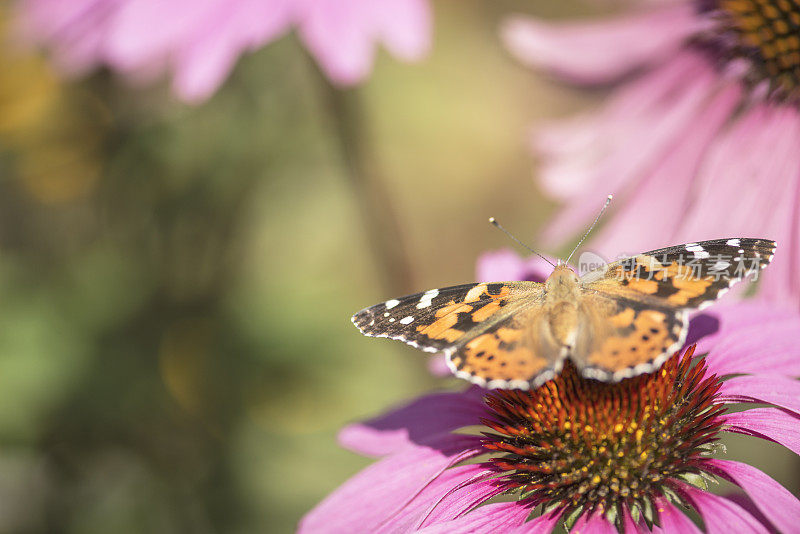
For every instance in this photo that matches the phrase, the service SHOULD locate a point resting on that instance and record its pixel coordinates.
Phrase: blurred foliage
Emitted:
(176, 282)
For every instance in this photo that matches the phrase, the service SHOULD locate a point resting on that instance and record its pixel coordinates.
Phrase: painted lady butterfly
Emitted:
(615, 322)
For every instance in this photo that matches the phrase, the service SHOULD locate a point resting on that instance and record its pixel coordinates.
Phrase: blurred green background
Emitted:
(176, 282)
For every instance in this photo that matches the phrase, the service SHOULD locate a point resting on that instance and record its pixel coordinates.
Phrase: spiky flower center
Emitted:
(766, 34)
(585, 446)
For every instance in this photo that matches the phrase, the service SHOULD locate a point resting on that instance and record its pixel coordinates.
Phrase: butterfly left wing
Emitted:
(482, 329)
(636, 310)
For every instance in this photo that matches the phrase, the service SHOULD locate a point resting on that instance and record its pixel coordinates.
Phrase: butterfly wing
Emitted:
(635, 311)
(620, 337)
(684, 276)
(483, 329)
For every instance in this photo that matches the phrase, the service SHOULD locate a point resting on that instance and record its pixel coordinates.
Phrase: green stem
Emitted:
(381, 224)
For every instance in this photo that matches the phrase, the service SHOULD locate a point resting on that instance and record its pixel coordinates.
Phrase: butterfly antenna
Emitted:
(608, 201)
(509, 234)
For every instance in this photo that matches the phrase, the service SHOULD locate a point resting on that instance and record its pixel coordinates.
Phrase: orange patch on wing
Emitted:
(649, 287)
(442, 328)
(452, 307)
(508, 335)
(649, 339)
(689, 289)
(623, 318)
(483, 357)
(486, 311)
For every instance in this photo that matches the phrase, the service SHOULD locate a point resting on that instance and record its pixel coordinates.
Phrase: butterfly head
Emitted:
(562, 283)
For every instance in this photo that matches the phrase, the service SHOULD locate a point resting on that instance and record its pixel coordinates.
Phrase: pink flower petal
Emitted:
(763, 346)
(768, 423)
(148, 30)
(744, 315)
(413, 423)
(543, 524)
(776, 390)
(404, 27)
(453, 493)
(599, 51)
(746, 504)
(740, 173)
(337, 34)
(202, 39)
(594, 524)
(506, 265)
(673, 519)
(381, 490)
(462, 498)
(70, 23)
(721, 515)
(664, 104)
(204, 61)
(497, 518)
(778, 505)
(668, 184)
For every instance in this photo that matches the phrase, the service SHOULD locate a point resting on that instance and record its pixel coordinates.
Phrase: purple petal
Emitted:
(598, 51)
(746, 504)
(507, 265)
(338, 35)
(768, 423)
(404, 26)
(673, 519)
(734, 317)
(753, 338)
(594, 524)
(500, 518)
(462, 498)
(610, 152)
(543, 524)
(381, 490)
(668, 182)
(749, 170)
(721, 515)
(453, 493)
(149, 30)
(776, 390)
(413, 423)
(203, 62)
(780, 507)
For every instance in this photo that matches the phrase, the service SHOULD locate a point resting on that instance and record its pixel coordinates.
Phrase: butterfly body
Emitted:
(613, 323)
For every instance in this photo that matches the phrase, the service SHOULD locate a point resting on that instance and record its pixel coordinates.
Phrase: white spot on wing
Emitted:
(427, 297)
(391, 303)
(694, 248)
(732, 242)
(406, 320)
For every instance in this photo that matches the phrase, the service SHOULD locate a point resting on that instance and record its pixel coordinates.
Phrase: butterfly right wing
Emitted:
(484, 329)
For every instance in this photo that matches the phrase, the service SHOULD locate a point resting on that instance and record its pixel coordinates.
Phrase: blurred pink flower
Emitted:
(200, 40)
(431, 479)
(698, 140)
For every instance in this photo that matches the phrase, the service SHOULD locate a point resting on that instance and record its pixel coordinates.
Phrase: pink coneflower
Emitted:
(593, 455)
(699, 138)
(597, 456)
(200, 40)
